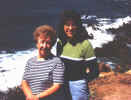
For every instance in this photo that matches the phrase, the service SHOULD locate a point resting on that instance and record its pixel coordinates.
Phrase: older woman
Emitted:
(44, 73)
(77, 54)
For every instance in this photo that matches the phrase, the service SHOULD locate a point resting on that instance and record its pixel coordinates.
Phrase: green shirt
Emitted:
(77, 58)
(80, 51)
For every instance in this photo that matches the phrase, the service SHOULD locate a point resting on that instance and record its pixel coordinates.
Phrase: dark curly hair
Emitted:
(81, 35)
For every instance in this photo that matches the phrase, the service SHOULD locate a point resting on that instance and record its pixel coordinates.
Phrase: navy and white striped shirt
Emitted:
(41, 75)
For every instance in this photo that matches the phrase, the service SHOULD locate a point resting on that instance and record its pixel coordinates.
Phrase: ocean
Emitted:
(18, 19)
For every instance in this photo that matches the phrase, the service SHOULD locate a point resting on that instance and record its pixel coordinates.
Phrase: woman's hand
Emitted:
(32, 97)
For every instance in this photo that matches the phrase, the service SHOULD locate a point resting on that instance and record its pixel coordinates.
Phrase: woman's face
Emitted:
(43, 45)
(70, 28)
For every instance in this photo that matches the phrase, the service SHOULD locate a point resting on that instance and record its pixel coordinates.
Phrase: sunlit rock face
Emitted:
(111, 87)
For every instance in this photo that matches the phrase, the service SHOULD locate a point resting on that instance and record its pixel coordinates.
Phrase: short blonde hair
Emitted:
(45, 30)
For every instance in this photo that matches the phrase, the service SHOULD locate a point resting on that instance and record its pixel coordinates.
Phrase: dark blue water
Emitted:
(18, 18)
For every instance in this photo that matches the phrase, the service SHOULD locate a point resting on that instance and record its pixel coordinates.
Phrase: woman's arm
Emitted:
(92, 69)
(49, 91)
(26, 89)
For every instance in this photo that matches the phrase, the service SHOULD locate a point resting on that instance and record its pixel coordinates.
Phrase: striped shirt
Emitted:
(41, 75)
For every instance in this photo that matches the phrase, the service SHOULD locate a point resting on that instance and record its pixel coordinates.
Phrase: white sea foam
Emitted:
(101, 36)
(12, 68)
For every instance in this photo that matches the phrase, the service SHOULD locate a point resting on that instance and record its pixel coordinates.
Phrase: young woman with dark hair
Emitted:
(77, 54)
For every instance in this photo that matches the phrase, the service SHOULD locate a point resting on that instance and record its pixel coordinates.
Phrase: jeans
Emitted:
(79, 90)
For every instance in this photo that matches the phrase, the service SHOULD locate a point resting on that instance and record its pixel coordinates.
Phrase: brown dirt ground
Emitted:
(111, 87)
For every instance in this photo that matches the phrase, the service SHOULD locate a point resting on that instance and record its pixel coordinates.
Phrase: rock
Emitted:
(128, 72)
(111, 87)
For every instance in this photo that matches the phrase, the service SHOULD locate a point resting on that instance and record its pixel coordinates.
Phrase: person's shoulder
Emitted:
(57, 59)
(59, 41)
(86, 43)
(32, 59)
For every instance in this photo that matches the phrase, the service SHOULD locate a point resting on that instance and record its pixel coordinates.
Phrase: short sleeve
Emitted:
(26, 72)
(88, 51)
(58, 72)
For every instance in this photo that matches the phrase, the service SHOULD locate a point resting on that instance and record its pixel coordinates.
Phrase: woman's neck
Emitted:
(40, 58)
